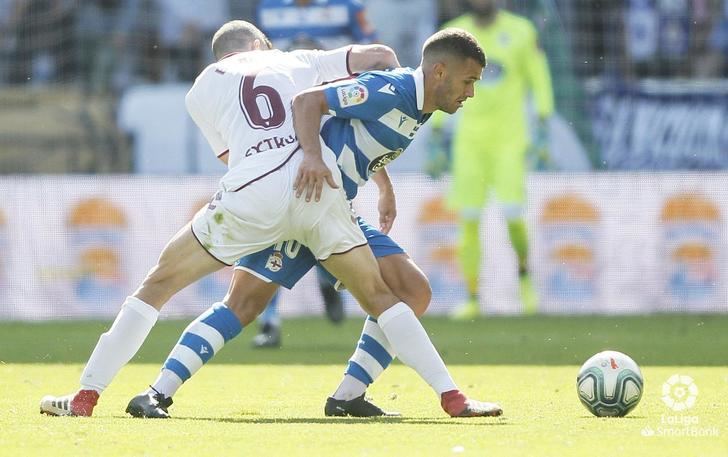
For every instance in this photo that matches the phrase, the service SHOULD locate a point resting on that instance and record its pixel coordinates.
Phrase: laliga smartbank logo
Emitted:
(691, 246)
(679, 394)
(570, 226)
(97, 229)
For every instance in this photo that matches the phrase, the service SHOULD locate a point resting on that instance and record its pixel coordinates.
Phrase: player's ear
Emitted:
(257, 45)
(439, 70)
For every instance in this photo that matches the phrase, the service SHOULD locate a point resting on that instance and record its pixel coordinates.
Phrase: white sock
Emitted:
(349, 388)
(414, 348)
(167, 383)
(119, 344)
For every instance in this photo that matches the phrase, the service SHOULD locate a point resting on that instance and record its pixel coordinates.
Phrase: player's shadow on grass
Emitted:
(474, 421)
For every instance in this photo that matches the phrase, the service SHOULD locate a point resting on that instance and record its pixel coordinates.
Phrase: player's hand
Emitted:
(312, 173)
(387, 211)
(539, 158)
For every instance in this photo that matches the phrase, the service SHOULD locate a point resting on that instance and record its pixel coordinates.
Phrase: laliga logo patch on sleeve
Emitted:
(351, 95)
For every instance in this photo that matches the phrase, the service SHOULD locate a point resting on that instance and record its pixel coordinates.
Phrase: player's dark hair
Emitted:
(455, 42)
(235, 36)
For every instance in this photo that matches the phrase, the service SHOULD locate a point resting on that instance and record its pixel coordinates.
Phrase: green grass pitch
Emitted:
(270, 403)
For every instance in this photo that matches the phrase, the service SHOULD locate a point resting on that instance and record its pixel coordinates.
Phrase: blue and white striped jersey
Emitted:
(323, 24)
(374, 118)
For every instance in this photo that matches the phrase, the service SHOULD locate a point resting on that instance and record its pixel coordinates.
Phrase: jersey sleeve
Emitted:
(200, 114)
(366, 97)
(537, 72)
(327, 65)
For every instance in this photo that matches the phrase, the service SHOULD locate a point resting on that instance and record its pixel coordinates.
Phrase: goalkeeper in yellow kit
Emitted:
(491, 138)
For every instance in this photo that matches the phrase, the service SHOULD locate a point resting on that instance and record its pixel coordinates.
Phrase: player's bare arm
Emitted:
(308, 107)
(371, 57)
(223, 157)
(387, 205)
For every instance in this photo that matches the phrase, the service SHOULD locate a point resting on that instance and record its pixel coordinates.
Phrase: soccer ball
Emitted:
(609, 384)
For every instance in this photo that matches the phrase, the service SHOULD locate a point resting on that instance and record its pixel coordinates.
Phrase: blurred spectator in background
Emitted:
(185, 29)
(448, 10)
(491, 139)
(405, 38)
(9, 13)
(142, 45)
(243, 9)
(596, 34)
(668, 38)
(42, 38)
(310, 24)
(715, 63)
(103, 30)
(328, 23)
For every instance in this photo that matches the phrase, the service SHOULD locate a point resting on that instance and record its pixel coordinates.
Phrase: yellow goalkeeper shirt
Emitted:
(495, 119)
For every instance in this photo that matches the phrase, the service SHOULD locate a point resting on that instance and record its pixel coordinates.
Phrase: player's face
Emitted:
(458, 84)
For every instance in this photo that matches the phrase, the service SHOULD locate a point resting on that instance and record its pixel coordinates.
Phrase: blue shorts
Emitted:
(287, 262)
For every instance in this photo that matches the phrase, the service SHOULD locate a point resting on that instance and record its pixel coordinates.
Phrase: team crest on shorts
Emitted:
(275, 262)
(352, 94)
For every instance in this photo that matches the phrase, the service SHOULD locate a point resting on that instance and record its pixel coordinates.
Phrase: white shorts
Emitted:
(267, 211)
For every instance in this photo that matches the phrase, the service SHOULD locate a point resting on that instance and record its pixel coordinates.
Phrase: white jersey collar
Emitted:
(419, 77)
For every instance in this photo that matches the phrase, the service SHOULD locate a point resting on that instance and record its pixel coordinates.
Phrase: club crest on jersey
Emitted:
(352, 94)
(275, 262)
(381, 161)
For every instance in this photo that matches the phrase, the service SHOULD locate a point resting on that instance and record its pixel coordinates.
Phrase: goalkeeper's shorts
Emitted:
(477, 174)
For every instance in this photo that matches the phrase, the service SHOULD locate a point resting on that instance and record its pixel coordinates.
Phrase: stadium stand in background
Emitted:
(72, 62)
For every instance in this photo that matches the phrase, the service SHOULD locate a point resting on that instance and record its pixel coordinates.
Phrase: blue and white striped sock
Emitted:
(372, 356)
(200, 341)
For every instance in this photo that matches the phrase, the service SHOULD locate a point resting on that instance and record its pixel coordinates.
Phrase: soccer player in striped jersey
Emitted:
(374, 118)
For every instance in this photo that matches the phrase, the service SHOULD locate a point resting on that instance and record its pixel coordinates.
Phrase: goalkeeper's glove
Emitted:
(438, 154)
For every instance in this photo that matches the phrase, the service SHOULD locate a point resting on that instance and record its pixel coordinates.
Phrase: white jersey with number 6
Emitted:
(242, 105)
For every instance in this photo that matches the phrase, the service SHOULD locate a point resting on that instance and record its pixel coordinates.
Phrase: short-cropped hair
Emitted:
(455, 42)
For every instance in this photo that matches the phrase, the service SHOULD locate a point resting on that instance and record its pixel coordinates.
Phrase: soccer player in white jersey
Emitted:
(184, 260)
(452, 62)
(375, 117)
